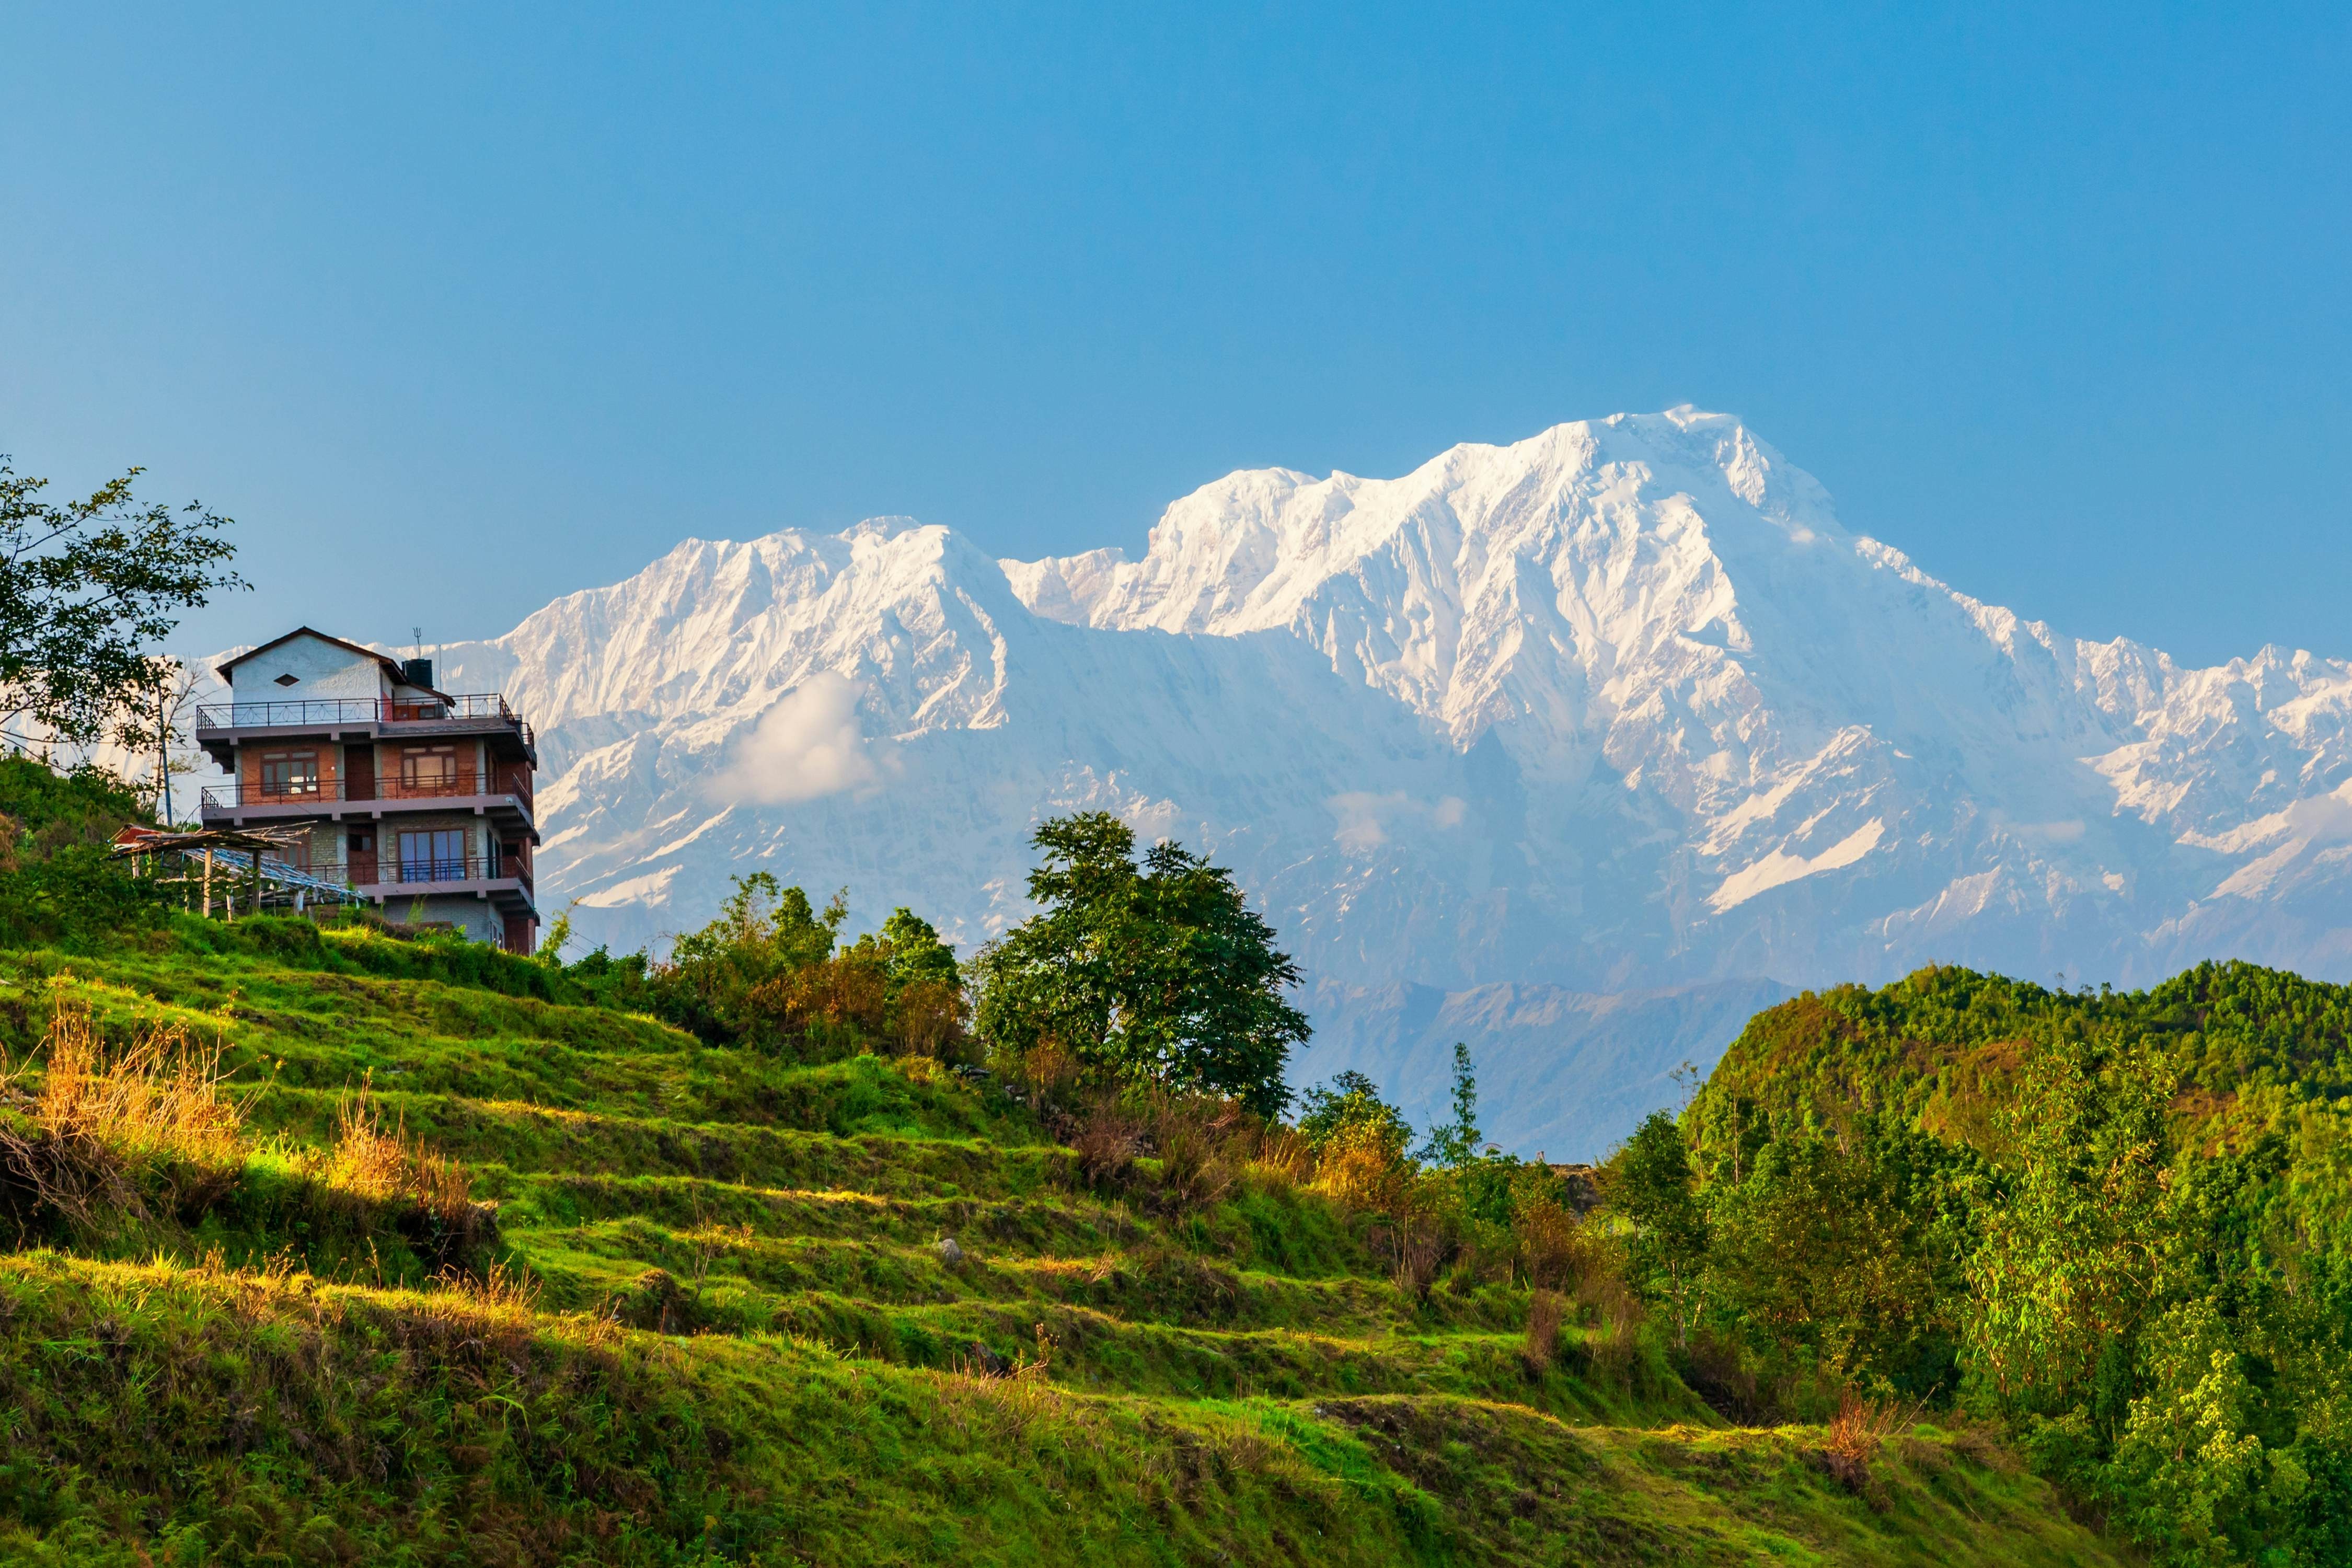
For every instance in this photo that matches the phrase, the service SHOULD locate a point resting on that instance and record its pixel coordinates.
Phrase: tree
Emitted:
(923, 1003)
(1669, 1246)
(1456, 1143)
(1350, 1100)
(1852, 1247)
(2072, 1261)
(721, 980)
(1160, 971)
(916, 954)
(86, 589)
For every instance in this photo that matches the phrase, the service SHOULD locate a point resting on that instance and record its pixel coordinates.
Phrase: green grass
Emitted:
(746, 1344)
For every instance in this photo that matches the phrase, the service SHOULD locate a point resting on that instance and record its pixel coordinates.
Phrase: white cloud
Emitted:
(808, 745)
(1359, 827)
(1361, 820)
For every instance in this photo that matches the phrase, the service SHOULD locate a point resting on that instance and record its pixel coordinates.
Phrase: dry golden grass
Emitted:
(1283, 1160)
(498, 1290)
(1013, 1398)
(162, 1094)
(1862, 1424)
(1362, 1168)
(1107, 1142)
(379, 1162)
(101, 1116)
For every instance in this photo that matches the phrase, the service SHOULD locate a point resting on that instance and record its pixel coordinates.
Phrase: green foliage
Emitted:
(1161, 972)
(49, 808)
(86, 588)
(1652, 1186)
(56, 882)
(1457, 1142)
(2070, 1263)
(1352, 1102)
(714, 981)
(2121, 1222)
(914, 954)
(1844, 1255)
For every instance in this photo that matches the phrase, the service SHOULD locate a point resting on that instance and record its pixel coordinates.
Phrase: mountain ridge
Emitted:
(1623, 706)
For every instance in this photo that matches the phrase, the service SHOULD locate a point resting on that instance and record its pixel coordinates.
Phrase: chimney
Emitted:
(417, 672)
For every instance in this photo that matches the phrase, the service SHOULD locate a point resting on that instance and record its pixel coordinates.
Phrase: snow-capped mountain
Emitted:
(1620, 706)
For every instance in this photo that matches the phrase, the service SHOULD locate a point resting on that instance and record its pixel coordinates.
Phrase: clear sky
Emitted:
(459, 311)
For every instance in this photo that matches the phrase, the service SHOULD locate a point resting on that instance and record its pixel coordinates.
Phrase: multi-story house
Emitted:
(419, 799)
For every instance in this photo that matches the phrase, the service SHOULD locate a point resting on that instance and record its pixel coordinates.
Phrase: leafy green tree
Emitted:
(87, 588)
(1456, 1143)
(1351, 1102)
(924, 1008)
(1850, 1250)
(2072, 1261)
(913, 953)
(1652, 1187)
(2190, 1469)
(764, 932)
(1159, 971)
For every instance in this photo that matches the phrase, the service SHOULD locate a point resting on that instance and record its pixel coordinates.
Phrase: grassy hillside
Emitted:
(729, 1307)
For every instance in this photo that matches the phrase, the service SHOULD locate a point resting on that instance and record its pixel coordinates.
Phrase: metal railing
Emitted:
(488, 705)
(239, 795)
(387, 868)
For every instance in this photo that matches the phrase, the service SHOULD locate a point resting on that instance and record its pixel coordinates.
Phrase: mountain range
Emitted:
(1578, 749)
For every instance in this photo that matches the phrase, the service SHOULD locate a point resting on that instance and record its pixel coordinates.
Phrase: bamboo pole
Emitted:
(208, 881)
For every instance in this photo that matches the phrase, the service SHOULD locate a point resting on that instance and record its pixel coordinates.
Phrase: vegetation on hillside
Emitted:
(2114, 1223)
(338, 1243)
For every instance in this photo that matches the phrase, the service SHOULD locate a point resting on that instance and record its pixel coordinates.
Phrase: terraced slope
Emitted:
(859, 1311)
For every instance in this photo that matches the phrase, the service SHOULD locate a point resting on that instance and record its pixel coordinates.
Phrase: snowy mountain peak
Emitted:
(1619, 705)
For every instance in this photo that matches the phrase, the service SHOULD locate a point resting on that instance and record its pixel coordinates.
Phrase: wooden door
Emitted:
(360, 856)
(359, 773)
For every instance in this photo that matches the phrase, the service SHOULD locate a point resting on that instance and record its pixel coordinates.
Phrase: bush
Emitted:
(73, 896)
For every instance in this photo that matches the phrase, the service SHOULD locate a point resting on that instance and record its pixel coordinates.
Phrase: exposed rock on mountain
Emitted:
(1620, 706)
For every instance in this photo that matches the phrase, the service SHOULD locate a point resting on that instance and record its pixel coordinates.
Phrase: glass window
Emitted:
(432, 855)
(430, 770)
(289, 773)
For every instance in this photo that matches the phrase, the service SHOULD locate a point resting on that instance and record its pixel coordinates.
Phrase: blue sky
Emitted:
(458, 312)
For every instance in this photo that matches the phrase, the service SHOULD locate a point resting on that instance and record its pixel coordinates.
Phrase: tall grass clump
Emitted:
(385, 1163)
(103, 1128)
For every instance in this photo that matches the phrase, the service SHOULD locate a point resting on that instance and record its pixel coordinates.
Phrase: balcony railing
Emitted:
(239, 795)
(356, 711)
(386, 868)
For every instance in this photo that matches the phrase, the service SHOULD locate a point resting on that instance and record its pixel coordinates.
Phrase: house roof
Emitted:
(389, 663)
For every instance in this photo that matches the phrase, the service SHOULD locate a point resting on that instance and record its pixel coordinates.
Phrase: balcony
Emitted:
(389, 875)
(386, 876)
(216, 721)
(466, 786)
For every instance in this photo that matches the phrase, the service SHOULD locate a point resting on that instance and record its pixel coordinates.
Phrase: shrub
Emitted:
(1547, 1311)
(1108, 1142)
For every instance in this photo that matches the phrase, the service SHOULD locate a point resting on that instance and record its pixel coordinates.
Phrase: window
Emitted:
(429, 770)
(436, 855)
(290, 680)
(289, 773)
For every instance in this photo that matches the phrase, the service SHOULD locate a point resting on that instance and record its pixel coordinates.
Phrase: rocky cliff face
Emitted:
(1620, 706)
